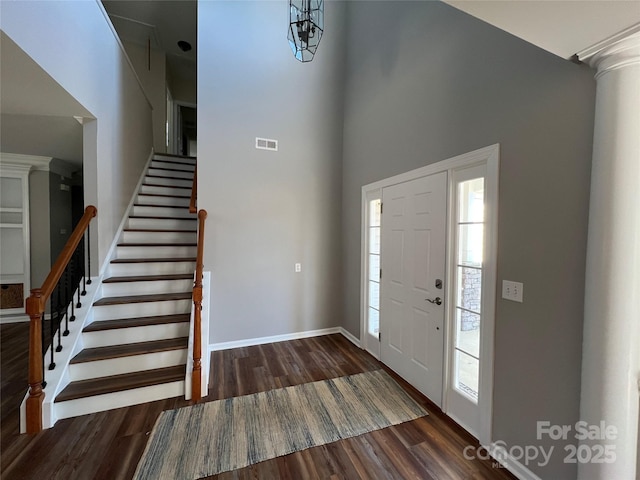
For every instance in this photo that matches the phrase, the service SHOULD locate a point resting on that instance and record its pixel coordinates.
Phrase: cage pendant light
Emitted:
(306, 24)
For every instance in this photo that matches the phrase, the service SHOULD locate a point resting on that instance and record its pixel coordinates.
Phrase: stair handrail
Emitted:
(196, 373)
(35, 306)
(194, 192)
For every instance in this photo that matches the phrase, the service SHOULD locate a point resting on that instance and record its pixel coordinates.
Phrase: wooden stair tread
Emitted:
(165, 186)
(102, 325)
(162, 195)
(119, 383)
(163, 217)
(149, 278)
(156, 297)
(129, 349)
(153, 260)
(158, 244)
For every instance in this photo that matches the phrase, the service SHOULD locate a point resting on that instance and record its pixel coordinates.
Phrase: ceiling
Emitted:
(37, 113)
(162, 23)
(28, 90)
(562, 27)
(46, 135)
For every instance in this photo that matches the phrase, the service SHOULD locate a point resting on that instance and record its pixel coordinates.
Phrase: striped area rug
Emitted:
(214, 437)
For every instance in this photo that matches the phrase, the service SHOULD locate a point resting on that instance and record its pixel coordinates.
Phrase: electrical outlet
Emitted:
(512, 291)
(298, 268)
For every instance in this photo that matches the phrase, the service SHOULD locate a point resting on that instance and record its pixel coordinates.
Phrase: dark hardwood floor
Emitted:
(108, 445)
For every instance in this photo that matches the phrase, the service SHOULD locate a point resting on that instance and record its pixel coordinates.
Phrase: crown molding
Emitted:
(617, 51)
(33, 162)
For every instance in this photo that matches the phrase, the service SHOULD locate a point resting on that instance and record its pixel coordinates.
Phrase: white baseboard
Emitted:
(14, 319)
(500, 454)
(249, 342)
(352, 338)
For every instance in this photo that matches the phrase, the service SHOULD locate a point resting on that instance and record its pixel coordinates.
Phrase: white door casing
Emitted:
(413, 263)
(489, 157)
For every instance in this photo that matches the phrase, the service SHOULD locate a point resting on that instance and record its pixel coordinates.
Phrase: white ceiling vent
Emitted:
(266, 144)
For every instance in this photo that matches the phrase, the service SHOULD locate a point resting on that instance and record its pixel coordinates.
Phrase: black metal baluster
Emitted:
(59, 321)
(66, 273)
(79, 271)
(74, 274)
(72, 318)
(89, 254)
(83, 273)
(52, 332)
(44, 348)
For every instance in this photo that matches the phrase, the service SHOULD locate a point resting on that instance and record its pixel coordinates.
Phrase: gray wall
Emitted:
(269, 210)
(40, 246)
(183, 90)
(426, 82)
(153, 76)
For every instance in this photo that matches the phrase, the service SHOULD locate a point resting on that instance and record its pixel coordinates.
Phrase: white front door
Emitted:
(413, 279)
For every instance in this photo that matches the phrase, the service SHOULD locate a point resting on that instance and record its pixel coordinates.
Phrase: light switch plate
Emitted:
(512, 291)
(298, 268)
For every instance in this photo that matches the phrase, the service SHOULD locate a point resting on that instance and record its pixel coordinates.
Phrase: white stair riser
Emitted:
(155, 252)
(135, 363)
(161, 223)
(117, 289)
(165, 190)
(163, 201)
(176, 182)
(100, 403)
(151, 268)
(147, 333)
(177, 165)
(158, 237)
(170, 173)
(145, 309)
(161, 211)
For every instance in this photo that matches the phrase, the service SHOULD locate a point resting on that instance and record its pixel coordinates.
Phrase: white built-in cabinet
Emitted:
(15, 266)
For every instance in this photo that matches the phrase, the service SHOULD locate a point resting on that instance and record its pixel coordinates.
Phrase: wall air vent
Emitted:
(266, 144)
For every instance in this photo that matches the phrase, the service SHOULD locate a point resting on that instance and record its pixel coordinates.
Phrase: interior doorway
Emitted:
(182, 128)
(433, 299)
(188, 131)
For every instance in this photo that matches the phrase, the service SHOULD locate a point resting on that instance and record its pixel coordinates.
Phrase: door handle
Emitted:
(437, 301)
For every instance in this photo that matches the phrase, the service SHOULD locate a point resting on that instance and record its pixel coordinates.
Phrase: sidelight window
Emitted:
(373, 267)
(470, 226)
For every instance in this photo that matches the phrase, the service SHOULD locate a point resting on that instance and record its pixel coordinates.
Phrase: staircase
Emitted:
(135, 346)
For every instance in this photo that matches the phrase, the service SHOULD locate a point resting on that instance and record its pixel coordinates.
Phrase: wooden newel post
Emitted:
(196, 374)
(36, 375)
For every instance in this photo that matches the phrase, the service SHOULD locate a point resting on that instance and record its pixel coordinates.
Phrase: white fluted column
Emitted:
(611, 345)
